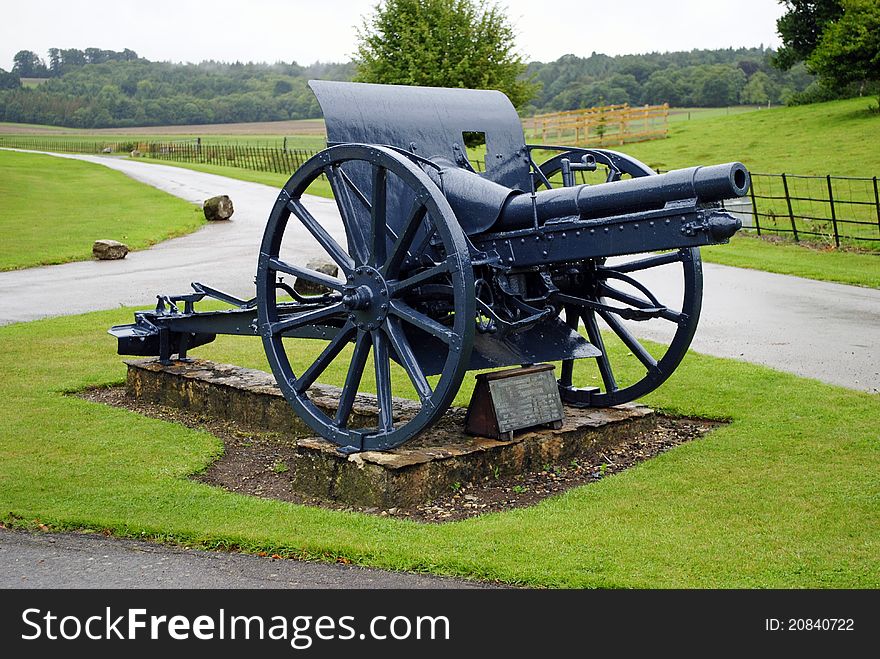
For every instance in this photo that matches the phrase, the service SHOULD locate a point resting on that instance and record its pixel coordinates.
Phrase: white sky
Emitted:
(306, 31)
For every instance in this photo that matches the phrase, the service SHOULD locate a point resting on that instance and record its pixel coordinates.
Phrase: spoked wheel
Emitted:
(405, 282)
(616, 292)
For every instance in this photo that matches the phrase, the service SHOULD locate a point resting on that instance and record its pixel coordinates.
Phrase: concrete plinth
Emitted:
(411, 474)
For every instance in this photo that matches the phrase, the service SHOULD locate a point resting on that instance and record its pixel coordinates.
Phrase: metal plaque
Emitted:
(526, 400)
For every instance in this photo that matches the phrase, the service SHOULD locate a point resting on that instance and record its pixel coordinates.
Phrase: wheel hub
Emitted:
(366, 298)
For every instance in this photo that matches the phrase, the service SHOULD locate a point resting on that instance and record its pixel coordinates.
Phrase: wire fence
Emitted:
(839, 211)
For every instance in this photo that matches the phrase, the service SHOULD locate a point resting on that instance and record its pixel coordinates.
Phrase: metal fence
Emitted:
(830, 209)
(258, 158)
(835, 210)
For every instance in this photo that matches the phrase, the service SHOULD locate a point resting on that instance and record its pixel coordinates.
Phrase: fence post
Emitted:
(877, 202)
(754, 206)
(790, 212)
(833, 214)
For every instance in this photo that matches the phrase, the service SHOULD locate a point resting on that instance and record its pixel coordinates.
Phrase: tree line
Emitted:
(107, 89)
(698, 78)
(138, 92)
(95, 88)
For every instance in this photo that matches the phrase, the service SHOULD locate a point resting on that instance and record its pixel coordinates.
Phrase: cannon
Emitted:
(442, 269)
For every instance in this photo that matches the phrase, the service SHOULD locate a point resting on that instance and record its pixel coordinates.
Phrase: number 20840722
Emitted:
(809, 624)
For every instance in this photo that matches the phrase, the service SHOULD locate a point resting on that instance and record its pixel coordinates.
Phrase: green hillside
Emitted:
(53, 209)
(838, 137)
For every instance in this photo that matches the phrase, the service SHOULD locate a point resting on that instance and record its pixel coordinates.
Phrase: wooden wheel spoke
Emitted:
(313, 372)
(352, 379)
(398, 287)
(407, 233)
(339, 255)
(305, 318)
(378, 216)
(300, 272)
(602, 361)
(407, 358)
(629, 341)
(409, 315)
(381, 360)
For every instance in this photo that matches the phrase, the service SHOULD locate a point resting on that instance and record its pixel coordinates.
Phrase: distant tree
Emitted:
(55, 62)
(801, 27)
(664, 87)
(9, 80)
(96, 55)
(749, 67)
(721, 86)
(442, 43)
(758, 90)
(849, 50)
(72, 58)
(27, 64)
(282, 87)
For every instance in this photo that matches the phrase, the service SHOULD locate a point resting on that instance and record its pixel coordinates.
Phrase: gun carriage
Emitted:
(442, 269)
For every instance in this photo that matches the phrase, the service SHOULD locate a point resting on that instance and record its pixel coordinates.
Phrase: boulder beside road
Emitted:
(218, 208)
(109, 250)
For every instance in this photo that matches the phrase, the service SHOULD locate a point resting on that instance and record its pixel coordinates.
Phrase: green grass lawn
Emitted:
(53, 209)
(787, 495)
(698, 114)
(746, 250)
(838, 138)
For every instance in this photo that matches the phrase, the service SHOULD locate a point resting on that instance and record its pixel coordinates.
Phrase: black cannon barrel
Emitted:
(707, 184)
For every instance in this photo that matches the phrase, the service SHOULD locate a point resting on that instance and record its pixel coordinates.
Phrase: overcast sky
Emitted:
(306, 31)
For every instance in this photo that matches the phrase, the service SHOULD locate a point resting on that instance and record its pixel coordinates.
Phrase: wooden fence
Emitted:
(600, 126)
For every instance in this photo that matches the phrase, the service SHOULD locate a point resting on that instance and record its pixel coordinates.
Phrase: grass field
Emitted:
(53, 209)
(746, 250)
(838, 137)
(696, 114)
(785, 496)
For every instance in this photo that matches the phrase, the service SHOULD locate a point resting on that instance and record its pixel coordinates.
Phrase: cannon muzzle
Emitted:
(706, 184)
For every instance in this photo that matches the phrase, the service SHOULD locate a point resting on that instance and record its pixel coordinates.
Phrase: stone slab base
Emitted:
(409, 475)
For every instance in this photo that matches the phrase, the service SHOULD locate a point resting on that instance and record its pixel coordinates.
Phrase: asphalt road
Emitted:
(88, 560)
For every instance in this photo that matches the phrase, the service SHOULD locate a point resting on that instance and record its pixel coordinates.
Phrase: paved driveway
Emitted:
(78, 560)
